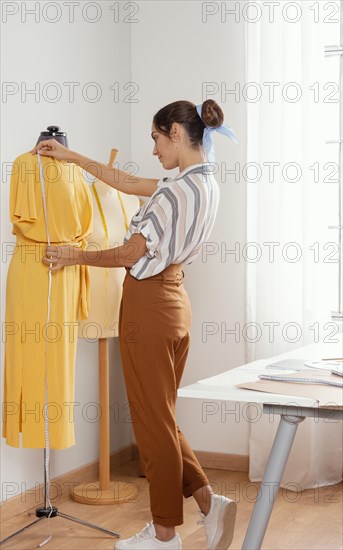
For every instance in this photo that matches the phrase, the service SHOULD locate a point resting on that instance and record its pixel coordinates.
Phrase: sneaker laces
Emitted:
(143, 534)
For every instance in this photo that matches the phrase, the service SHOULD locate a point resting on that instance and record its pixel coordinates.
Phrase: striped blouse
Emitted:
(176, 219)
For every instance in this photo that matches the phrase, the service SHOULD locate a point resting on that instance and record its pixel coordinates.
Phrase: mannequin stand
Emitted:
(104, 491)
(47, 512)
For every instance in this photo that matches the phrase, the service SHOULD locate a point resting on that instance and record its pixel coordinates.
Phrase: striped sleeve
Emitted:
(155, 226)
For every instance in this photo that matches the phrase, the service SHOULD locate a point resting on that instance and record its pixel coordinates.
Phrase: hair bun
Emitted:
(212, 114)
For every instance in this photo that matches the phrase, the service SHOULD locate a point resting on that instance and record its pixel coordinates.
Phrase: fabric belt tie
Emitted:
(84, 297)
(84, 303)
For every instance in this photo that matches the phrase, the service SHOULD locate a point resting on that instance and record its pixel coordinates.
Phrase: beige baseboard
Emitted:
(223, 461)
(61, 485)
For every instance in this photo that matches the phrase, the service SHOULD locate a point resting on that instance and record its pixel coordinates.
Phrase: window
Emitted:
(334, 109)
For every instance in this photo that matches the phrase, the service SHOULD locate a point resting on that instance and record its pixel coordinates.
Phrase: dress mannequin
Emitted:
(68, 217)
(106, 284)
(69, 211)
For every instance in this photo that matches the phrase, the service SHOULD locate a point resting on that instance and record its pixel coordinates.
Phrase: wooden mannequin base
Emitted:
(91, 493)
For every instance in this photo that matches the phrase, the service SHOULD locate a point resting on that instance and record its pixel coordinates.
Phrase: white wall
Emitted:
(36, 50)
(179, 53)
(169, 53)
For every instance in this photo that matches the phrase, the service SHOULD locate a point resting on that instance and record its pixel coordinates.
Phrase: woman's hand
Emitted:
(52, 148)
(61, 256)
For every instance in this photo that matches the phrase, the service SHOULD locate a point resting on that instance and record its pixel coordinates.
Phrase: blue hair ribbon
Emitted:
(208, 132)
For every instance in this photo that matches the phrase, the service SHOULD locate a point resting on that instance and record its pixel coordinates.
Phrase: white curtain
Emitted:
(290, 296)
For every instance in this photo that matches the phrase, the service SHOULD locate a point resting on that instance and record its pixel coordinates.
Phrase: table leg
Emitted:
(271, 481)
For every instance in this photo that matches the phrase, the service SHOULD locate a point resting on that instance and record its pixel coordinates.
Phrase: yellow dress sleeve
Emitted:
(22, 191)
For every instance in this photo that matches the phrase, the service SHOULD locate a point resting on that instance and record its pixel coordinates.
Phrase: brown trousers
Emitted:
(154, 322)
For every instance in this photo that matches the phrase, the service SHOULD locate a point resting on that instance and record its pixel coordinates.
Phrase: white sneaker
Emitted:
(146, 540)
(219, 523)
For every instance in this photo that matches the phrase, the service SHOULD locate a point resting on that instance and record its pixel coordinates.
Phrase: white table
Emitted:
(292, 411)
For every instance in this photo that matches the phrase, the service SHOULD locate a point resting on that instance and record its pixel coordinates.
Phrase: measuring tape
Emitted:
(46, 418)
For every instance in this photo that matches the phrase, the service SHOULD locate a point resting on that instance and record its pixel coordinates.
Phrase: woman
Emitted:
(155, 314)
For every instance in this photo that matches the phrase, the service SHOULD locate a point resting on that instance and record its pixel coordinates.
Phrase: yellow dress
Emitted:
(27, 336)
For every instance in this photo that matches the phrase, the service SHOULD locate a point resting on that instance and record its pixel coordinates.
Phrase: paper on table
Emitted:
(301, 364)
(325, 365)
(323, 394)
(288, 364)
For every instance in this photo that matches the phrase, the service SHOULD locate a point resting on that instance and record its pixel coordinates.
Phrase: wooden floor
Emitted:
(309, 520)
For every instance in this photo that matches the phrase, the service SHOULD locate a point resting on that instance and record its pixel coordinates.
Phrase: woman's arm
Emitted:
(119, 179)
(123, 181)
(119, 256)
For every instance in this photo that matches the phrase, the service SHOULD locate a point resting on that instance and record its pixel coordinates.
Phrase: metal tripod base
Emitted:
(43, 513)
